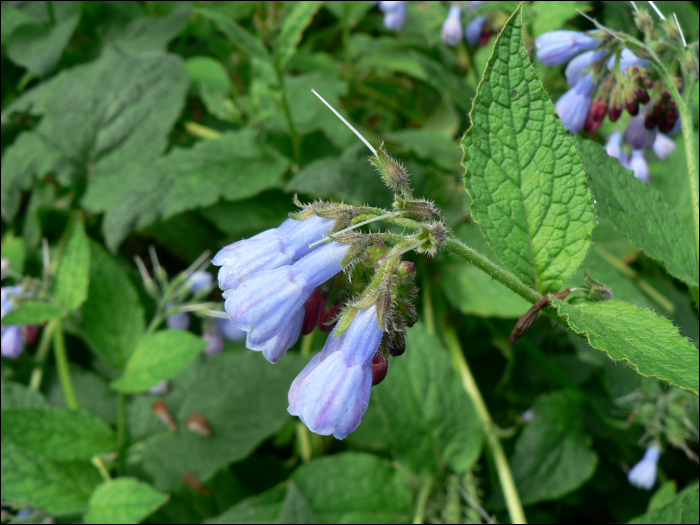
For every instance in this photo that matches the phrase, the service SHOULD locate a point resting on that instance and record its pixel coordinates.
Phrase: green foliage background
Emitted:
(188, 126)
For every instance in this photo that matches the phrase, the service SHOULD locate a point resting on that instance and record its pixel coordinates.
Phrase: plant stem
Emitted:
(422, 500)
(41, 354)
(497, 272)
(296, 139)
(306, 343)
(688, 134)
(121, 431)
(97, 461)
(304, 442)
(515, 508)
(59, 346)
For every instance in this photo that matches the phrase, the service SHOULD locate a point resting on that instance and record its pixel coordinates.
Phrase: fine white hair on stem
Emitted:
(685, 44)
(599, 26)
(636, 9)
(359, 135)
(354, 226)
(658, 12)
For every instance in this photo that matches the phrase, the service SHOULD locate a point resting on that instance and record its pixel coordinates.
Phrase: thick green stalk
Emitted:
(41, 354)
(422, 500)
(502, 275)
(515, 508)
(59, 346)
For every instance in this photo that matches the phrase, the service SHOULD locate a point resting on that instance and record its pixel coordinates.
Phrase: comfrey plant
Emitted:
(287, 280)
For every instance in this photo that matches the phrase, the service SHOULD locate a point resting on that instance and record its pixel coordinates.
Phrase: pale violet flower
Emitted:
(573, 106)
(452, 27)
(580, 64)
(614, 145)
(637, 134)
(643, 474)
(200, 281)
(332, 394)
(663, 146)
(558, 47)
(273, 349)
(474, 30)
(394, 14)
(229, 330)
(627, 59)
(638, 164)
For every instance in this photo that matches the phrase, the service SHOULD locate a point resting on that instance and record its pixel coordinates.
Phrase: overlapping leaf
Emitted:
(522, 171)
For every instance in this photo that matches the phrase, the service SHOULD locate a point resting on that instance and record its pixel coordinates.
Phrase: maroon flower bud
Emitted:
(659, 109)
(639, 79)
(632, 107)
(30, 332)
(665, 94)
(313, 307)
(641, 95)
(651, 120)
(596, 116)
(672, 105)
(615, 112)
(326, 319)
(380, 366)
(666, 125)
(650, 84)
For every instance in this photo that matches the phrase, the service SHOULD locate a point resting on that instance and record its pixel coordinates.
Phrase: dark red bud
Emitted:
(667, 124)
(30, 332)
(380, 366)
(659, 109)
(614, 113)
(650, 84)
(596, 116)
(313, 307)
(639, 79)
(665, 94)
(672, 105)
(650, 121)
(326, 319)
(632, 107)
(641, 95)
(635, 69)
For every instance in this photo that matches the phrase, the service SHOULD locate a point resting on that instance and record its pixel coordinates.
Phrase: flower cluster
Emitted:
(394, 13)
(605, 80)
(476, 32)
(643, 474)
(663, 146)
(317, 269)
(14, 337)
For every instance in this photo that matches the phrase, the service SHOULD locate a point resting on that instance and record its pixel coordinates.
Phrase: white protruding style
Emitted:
(371, 148)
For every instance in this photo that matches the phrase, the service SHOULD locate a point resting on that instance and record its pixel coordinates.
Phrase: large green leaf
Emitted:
(73, 273)
(53, 486)
(39, 47)
(251, 44)
(13, 252)
(647, 341)
(118, 108)
(123, 500)
(234, 166)
(242, 396)
(525, 178)
(57, 433)
(15, 395)
(421, 413)
(157, 357)
(552, 456)
(343, 488)
(681, 509)
(639, 211)
(214, 86)
(298, 18)
(111, 320)
(147, 33)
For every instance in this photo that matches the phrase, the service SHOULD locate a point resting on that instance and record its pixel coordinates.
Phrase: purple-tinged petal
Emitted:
(180, 321)
(200, 281)
(12, 344)
(229, 330)
(452, 27)
(639, 166)
(273, 349)
(627, 59)
(474, 29)
(643, 474)
(215, 341)
(363, 338)
(578, 66)
(558, 47)
(637, 134)
(573, 106)
(663, 146)
(613, 145)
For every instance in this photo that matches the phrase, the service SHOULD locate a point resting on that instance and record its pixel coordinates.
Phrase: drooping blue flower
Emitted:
(613, 145)
(558, 47)
(265, 302)
(12, 344)
(638, 164)
(394, 14)
(200, 281)
(269, 250)
(663, 146)
(178, 321)
(11, 340)
(214, 338)
(637, 134)
(333, 395)
(643, 474)
(273, 349)
(452, 27)
(229, 330)
(474, 29)
(627, 59)
(573, 106)
(577, 67)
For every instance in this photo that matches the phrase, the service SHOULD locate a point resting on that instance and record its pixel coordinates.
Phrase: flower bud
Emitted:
(663, 146)
(452, 27)
(312, 309)
(393, 173)
(643, 474)
(327, 317)
(380, 366)
(596, 116)
(573, 106)
(474, 30)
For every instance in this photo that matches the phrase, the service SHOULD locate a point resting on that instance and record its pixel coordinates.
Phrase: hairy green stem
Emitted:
(304, 442)
(422, 500)
(41, 355)
(59, 346)
(515, 508)
(688, 136)
(502, 275)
